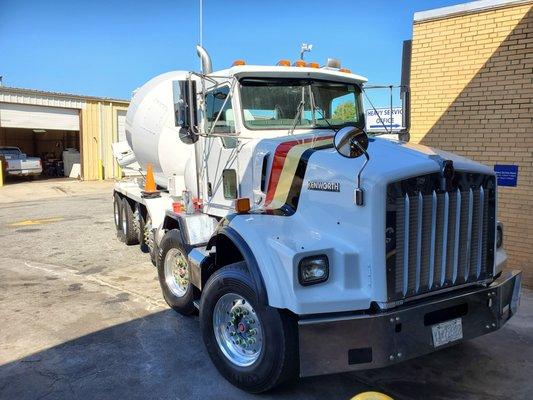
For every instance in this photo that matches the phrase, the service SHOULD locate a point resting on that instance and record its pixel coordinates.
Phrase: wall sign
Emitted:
(392, 121)
(507, 175)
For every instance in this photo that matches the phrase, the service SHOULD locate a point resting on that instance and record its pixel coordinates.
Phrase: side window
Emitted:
(218, 105)
(229, 184)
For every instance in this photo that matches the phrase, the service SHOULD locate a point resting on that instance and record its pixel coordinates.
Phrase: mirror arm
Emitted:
(359, 197)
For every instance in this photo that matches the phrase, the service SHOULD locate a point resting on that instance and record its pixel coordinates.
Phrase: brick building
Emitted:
(471, 93)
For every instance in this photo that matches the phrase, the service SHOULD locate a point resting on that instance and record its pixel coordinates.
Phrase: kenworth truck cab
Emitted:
(307, 246)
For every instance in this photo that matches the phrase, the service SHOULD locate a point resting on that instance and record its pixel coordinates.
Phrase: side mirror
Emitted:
(351, 141)
(184, 93)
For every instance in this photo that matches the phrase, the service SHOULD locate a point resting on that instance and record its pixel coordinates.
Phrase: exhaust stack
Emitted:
(207, 67)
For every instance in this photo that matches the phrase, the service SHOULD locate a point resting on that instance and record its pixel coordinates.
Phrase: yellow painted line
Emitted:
(28, 222)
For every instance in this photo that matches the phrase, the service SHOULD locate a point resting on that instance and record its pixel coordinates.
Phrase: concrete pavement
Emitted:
(82, 317)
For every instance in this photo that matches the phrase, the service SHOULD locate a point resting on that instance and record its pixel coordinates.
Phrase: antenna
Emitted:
(305, 48)
(201, 23)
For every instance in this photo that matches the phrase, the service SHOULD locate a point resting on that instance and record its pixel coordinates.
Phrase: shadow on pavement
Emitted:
(162, 356)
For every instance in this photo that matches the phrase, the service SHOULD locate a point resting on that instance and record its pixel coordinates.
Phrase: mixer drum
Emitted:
(151, 131)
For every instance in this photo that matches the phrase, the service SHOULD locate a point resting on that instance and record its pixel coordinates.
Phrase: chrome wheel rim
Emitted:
(176, 272)
(124, 222)
(237, 329)
(115, 209)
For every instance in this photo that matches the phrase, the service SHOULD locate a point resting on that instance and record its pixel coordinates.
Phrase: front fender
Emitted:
(275, 245)
(231, 234)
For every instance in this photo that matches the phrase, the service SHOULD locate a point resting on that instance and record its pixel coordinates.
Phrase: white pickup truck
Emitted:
(18, 163)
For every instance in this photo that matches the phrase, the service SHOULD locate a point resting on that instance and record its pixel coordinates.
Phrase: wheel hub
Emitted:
(176, 272)
(237, 329)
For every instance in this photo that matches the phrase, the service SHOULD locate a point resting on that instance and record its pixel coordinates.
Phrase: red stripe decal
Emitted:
(279, 160)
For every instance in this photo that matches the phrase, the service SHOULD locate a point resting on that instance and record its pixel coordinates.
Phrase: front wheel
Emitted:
(253, 346)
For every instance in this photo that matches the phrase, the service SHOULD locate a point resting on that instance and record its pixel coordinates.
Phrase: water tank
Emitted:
(152, 134)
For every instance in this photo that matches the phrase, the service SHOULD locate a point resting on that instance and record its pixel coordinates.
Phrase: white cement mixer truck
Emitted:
(306, 246)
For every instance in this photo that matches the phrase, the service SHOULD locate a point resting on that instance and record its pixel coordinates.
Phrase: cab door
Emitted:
(220, 153)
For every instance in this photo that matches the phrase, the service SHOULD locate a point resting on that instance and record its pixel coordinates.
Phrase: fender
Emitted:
(231, 234)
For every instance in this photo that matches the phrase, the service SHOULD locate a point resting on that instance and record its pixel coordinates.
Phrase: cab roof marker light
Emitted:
(237, 63)
(313, 65)
(284, 63)
(299, 63)
(333, 63)
(345, 70)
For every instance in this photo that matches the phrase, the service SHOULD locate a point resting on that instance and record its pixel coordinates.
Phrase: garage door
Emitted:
(121, 124)
(38, 117)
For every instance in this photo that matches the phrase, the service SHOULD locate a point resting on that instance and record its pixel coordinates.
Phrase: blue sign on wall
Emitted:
(507, 175)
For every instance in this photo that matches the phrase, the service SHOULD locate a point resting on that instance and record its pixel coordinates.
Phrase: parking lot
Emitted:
(82, 317)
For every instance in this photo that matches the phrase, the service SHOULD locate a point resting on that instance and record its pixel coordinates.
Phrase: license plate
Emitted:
(447, 332)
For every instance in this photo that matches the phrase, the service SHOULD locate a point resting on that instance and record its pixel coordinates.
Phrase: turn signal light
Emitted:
(299, 63)
(284, 63)
(313, 65)
(242, 205)
(346, 70)
(177, 207)
(236, 63)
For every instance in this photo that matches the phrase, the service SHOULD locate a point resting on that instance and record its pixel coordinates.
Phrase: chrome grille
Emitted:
(437, 238)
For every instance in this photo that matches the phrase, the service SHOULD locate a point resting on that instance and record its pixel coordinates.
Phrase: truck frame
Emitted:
(306, 246)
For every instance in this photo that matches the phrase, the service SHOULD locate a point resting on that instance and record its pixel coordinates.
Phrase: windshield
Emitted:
(272, 103)
(9, 150)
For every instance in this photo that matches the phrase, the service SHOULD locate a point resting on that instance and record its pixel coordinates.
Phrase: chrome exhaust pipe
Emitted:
(207, 67)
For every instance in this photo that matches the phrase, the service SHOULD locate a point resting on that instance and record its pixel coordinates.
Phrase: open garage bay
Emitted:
(83, 317)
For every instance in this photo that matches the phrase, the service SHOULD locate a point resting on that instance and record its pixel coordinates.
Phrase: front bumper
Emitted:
(347, 343)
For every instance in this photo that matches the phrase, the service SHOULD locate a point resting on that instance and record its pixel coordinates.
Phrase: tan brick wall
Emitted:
(472, 94)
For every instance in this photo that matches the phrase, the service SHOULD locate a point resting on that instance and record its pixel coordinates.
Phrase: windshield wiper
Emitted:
(317, 110)
(298, 113)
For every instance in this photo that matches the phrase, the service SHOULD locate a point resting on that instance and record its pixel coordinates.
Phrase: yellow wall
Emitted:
(98, 132)
(472, 90)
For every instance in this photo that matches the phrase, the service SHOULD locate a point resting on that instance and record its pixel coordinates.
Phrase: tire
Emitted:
(117, 215)
(143, 242)
(179, 294)
(129, 230)
(273, 357)
(148, 242)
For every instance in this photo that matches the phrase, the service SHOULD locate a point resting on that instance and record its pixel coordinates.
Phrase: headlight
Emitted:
(499, 235)
(313, 269)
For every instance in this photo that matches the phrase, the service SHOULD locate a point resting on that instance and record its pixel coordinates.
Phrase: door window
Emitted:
(219, 111)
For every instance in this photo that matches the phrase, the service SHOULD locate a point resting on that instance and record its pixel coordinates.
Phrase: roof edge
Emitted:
(12, 89)
(465, 8)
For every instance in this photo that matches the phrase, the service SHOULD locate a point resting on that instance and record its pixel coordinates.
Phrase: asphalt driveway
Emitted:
(81, 316)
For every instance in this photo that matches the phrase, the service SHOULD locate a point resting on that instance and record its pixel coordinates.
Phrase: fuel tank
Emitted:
(152, 133)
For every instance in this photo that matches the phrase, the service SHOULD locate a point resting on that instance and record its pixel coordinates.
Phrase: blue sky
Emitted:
(109, 48)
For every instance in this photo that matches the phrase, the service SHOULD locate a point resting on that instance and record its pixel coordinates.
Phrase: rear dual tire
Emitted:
(117, 212)
(126, 222)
